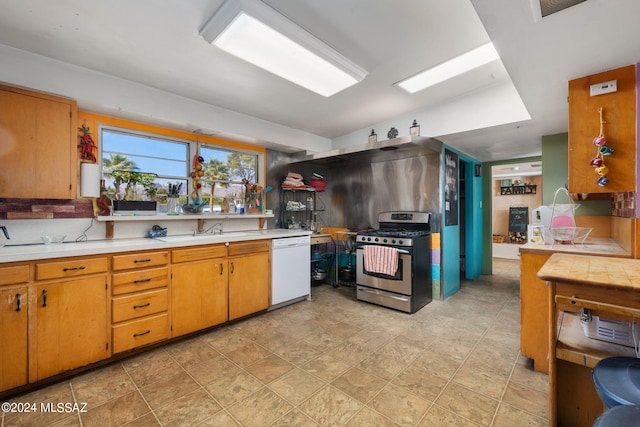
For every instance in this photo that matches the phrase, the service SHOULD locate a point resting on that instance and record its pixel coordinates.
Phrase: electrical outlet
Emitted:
(602, 88)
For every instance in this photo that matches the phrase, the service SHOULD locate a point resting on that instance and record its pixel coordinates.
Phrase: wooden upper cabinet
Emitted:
(37, 145)
(619, 114)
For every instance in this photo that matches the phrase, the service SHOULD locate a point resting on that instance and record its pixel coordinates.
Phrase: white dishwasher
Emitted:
(290, 270)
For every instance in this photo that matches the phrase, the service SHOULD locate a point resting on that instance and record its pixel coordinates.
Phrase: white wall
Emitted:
(117, 97)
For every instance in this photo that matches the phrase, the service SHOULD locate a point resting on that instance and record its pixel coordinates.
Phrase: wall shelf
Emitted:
(201, 218)
(518, 189)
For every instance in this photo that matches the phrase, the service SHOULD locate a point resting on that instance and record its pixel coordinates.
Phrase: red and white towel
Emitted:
(380, 259)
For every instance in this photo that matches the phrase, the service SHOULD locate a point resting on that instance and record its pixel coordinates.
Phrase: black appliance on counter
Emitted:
(409, 289)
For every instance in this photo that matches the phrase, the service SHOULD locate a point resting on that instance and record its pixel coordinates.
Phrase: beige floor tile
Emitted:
(326, 367)
(526, 376)
(269, 368)
(220, 419)
(296, 386)
(381, 365)
(191, 351)
(260, 408)
(167, 390)
(330, 407)
(349, 352)
(420, 382)
(527, 399)
(189, 409)
(439, 416)
(399, 405)
(295, 418)
(99, 386)
(468, 404)
(437, 364)
(121, 410)
(248, 354)
(508, 416)
(367, 417)
(148, 420)
(153, 366)
(298, 353)
(212, 369)
(233, 386)
(481, 379)
(359, 384)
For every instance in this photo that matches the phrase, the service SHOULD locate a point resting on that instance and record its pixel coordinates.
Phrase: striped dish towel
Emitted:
(380, 259)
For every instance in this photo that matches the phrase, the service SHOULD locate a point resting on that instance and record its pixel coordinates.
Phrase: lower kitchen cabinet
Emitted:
(14, 312)
(249, 277)
(199, 296)
(71, 331)
(13, 336)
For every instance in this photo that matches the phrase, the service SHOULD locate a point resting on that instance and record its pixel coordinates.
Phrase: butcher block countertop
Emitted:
(607, 272)
(600, 246)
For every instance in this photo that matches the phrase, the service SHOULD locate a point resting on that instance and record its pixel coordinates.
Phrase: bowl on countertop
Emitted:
(52, 240)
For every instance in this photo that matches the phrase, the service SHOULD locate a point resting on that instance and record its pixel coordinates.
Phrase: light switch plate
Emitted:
(602, 88)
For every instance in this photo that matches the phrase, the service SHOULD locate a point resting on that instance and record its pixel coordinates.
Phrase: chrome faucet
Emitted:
(217, 226)
(5, 231)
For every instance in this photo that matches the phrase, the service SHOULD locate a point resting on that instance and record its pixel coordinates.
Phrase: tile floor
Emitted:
(333, 361)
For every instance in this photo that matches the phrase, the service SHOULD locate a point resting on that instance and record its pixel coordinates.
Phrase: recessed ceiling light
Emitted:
(449, 69)
(256, 33)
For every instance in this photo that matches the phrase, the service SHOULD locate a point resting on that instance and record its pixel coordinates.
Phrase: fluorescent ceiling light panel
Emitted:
(447, 70)
(252, 31)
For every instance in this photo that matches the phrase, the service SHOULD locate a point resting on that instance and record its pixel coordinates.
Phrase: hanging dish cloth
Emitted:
(380, 259)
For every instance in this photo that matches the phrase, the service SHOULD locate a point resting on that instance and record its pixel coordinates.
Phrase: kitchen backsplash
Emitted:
(45, 208)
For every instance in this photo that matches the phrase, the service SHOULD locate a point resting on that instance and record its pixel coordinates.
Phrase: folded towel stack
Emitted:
(293, 180)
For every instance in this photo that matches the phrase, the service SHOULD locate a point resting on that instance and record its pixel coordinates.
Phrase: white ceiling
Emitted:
(156, 43)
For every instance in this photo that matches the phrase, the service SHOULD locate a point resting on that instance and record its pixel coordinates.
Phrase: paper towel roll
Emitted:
(89, 180)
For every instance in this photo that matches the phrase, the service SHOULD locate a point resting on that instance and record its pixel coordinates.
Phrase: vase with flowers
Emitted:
(252, 197)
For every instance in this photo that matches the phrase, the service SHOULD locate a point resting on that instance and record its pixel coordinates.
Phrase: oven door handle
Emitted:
(400, 251)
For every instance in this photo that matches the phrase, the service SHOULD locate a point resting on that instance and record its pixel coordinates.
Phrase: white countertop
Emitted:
(96, 247)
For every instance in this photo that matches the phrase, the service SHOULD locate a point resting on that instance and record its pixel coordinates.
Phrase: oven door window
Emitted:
(397, 276)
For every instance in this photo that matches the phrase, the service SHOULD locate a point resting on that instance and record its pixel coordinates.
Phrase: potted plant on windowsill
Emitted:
(130, 202)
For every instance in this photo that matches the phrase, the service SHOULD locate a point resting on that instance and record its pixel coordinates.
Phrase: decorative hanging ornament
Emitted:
(602, 149)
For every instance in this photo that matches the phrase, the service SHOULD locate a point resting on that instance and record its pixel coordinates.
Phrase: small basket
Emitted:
(498, 238)
(562, 229)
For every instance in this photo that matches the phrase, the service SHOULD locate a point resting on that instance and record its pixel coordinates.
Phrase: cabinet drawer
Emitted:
(139, 280)
(199, 253)
(70, 268)
(14, 275)
(140, 332)
(139, 305)
(252, 246)
(140, 259)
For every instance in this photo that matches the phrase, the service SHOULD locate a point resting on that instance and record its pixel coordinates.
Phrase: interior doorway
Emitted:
(515, 187)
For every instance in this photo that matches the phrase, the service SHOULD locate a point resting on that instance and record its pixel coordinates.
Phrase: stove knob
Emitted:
(368, 239)
(376, 239)
(400, 242)
(384, 240)
(393, 241)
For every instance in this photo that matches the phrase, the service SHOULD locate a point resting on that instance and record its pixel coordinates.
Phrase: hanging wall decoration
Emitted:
(86, 144)
(602, 150)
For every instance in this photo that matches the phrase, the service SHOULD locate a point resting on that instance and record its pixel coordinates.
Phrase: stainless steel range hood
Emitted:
(382, 151)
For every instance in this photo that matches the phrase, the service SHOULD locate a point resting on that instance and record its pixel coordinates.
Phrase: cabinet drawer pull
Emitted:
(44, 297)
(148, 331)
(18, 302)
(142, 306)
(142, 260)
(221, 269)
(142, 281)
(82, 267)
(232, 267)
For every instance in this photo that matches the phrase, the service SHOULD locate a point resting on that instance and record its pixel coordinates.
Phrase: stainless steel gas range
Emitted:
(393, 267)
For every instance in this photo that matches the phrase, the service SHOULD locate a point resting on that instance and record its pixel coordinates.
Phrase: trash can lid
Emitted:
(617, 381)
(620, 416)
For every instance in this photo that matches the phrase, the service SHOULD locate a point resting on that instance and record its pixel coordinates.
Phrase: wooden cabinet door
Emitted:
(37, 145)
(619, 114)
(198, 295)
(534, 311)
(72, 322)
(249, 284)
(13, 338)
